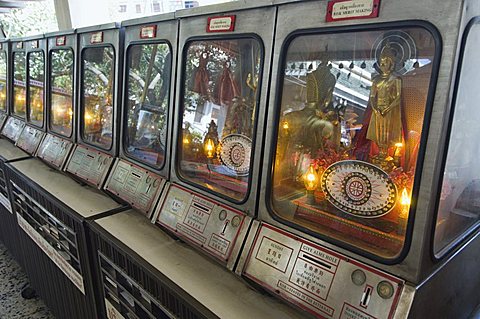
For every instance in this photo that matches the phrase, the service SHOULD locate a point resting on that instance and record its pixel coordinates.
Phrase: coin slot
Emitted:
(225, 227)
(316, 261)
(202, 208)
(366, 296)
(136, 175)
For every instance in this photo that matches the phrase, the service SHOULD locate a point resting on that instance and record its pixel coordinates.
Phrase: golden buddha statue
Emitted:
(312, 126)
(385, 126)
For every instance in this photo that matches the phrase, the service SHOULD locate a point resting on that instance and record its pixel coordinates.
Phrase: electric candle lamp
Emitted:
(209, 148)
(403, 216)
(310, 179)
(88, 118)
(398, 148)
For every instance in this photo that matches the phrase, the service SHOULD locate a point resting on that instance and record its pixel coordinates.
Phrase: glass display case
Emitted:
(61, 91)
(220, 100)
(96, 102)
(147, 102)
(36, 82)
(3, 78)
(458, 210)
(350, 122)
(19, 83)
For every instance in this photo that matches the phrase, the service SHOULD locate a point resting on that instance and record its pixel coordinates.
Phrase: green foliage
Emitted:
(37, 17)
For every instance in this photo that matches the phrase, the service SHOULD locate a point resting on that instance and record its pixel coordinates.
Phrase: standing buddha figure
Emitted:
(385, 127)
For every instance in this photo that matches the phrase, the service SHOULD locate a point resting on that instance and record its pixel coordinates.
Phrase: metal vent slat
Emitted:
(143, 279)
(38, 207)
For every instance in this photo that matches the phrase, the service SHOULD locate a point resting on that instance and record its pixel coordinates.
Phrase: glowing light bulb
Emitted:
(398, 148)
(88, 118)
(285, 125)
(209, 148)
(405, 198)
(403, 215)
(186, 140)
(310, 179)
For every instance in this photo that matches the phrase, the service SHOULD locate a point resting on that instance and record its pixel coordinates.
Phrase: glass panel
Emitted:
(351, 118)
(220, 97)
(3, 81)
(147, 105)
(36, 84)
(459, 208)
(19, 87)
(97, 96)
(61, 93)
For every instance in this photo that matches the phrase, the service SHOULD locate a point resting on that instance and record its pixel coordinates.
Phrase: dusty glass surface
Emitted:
(61, 92)
(19, 84)
(148, 87)
(351, 117)
(3, 81)
(98, 76)
(459, 207)
(36, 87)
(219, 102)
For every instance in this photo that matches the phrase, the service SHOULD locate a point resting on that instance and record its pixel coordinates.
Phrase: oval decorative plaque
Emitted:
(235, 153)
(358, 188)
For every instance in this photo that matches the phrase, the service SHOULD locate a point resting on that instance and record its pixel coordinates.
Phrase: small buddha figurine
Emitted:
(385, 126)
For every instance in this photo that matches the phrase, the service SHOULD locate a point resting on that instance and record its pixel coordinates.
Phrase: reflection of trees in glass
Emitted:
(97, 91)
(36, 78)
(220, 97)
(147, 104)
(19, 88)
(61, 80)
(3, 81)
(237, 61)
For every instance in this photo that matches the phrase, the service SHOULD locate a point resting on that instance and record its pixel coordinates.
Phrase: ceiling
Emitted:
(7, 5)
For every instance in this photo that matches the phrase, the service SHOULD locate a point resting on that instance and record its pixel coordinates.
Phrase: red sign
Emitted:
(148, 32)
(59, 41)
(221, 24)
(338, 10)
(96, 37)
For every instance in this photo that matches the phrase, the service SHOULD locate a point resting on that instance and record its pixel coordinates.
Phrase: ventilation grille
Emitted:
(48, 204)
(9, 226)
(129, 276)
(59, 236)
(3, 183)
(59, 226)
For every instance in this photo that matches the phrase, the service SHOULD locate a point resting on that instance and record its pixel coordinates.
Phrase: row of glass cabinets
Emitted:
(327, 140)
(349, 111)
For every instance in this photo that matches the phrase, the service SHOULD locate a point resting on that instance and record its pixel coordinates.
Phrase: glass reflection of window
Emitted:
(19, 87)
(351, 117)
(61, 98)
(97, 96)
(3, 81)
(459, 207)
(219, 102)
(147, 104)
(36, 78)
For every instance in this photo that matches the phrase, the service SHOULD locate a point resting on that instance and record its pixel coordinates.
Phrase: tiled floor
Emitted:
(12, 281)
